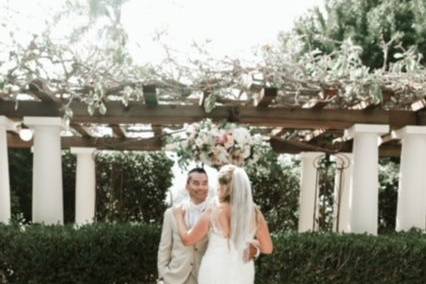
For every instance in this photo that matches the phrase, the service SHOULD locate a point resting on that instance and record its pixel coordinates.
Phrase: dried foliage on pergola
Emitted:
(300, 101)
(314, 127)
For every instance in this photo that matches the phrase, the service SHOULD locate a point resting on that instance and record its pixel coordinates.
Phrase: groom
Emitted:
(177, 263)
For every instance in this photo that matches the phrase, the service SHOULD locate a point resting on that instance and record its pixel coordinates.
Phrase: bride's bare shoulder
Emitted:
(223, 209)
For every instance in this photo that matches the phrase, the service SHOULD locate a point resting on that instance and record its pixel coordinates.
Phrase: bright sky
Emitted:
(233, 27)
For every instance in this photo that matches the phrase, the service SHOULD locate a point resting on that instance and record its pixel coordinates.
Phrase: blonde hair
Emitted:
(239, 195)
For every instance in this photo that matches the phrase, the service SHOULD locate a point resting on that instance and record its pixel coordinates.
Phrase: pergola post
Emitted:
(85, 185)
(411, 207)
(364, 189)
(342, 181)
(308, 200)
(5, 124)
(47, 204)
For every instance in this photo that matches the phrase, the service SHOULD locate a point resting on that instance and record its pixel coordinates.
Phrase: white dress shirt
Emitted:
(194, 211)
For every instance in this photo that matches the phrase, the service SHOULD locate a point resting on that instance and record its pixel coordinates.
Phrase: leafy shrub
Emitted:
(102, 253)
(125, 253)
(276, 190)
(132, 186)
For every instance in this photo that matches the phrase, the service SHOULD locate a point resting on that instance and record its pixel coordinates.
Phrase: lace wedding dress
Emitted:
(223, 263)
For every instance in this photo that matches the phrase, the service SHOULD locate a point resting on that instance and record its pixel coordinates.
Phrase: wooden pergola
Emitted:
(313, 126)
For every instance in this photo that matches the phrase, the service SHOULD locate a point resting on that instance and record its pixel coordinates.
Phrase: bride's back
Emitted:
(221, 219)
(221, 216)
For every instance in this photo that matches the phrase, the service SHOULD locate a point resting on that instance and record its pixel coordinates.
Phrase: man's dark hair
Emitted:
(195, 170)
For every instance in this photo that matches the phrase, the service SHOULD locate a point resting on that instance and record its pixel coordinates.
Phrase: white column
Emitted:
(5, 124)
(364, 189)
(85, 185)
(342, 183)
(47, 170)
(411, 207)
(308, 201)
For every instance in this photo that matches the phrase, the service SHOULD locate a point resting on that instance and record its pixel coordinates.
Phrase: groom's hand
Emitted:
(179, 211)
(251, 252)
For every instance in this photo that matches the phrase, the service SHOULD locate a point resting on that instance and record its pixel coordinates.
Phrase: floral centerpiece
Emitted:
(217, 145)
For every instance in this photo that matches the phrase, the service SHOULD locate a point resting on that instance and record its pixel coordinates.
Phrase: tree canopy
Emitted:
(377, 26)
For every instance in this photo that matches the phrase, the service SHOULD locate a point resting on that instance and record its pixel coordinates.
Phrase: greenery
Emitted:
(130, 192)
(102, 253)
(276, 189)
(377, 26)
(96, 70)
(388, 194)
(20, 172)
(125, 253)
(217, 145)
(330, 258)
(131, 186)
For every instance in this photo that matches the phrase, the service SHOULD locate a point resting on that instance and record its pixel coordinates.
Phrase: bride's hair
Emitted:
(239, 195)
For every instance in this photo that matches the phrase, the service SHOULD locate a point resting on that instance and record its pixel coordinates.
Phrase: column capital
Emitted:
(9, 124)
(409, 130)
(359, 128)
(43, 121)
(82, 150)
(342, 159)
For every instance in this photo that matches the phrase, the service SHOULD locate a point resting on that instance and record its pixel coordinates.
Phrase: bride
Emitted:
(231, 225)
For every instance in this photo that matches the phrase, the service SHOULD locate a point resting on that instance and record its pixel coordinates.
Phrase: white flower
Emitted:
(220, 155)
(246, 151)
(204, 158)
(241, 135)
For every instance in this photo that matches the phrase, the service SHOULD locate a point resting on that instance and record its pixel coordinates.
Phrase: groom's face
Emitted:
(198, 187)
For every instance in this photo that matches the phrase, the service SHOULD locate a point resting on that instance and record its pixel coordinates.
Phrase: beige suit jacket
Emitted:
(177, 263)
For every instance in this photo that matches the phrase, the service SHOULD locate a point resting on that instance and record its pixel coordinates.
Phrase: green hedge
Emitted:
(330, 258)
(125, 253)
(102, 253)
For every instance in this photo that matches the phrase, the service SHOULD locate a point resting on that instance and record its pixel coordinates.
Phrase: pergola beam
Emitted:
(151, 144)
(179, 114)
(294, 147)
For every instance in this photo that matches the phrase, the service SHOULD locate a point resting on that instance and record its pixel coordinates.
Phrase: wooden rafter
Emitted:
(278, 131)
(366, 105)
(80, 129)
(41, 91)
(118, 131)
(314, 134)
(418, 105)
(290, 146)
(295, 147)
(179, 114)
(265, 97)
(315, 104)
(158, 130)
(388, 138)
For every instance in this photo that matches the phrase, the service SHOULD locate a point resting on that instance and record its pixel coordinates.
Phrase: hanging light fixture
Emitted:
(24, 132)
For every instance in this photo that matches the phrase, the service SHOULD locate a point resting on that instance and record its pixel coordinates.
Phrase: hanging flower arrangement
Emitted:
(216, 145)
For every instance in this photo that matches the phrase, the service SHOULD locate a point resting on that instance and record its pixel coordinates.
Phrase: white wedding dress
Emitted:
(223, 263)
